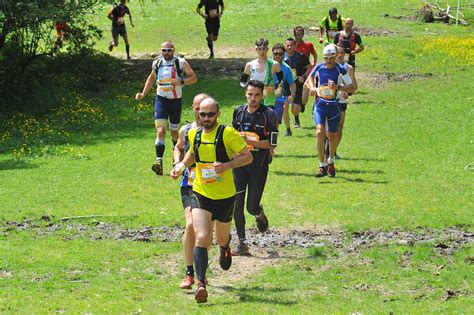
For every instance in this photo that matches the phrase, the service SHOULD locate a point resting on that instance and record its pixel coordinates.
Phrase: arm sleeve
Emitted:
(243, 79)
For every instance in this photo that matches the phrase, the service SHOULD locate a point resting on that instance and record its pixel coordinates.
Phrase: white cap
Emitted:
(329, 50)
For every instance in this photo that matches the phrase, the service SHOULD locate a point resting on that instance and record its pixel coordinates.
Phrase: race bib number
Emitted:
(191, 175)
(166, 85)
(332, 33)
(120, 20)
(326, 92)
(208, 173)
(251, 136)
(346, 57)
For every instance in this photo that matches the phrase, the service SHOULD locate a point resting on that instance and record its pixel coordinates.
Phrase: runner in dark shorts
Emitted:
(117, 14)
(213, 11)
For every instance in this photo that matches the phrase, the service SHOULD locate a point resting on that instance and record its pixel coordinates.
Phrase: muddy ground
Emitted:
(445, 240)
(274, 247)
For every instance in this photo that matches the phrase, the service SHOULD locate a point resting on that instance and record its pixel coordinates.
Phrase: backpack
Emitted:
(239, 117)
(221, 153)
(351, 40)
(339, 24)
(178, 69)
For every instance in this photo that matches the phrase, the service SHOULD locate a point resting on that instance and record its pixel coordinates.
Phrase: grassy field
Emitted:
(407, 142)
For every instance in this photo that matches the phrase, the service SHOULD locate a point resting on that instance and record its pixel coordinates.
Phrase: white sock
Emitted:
(330, 160)
(323, 164)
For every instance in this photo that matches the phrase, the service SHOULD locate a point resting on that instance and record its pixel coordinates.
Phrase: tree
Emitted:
(28, 29)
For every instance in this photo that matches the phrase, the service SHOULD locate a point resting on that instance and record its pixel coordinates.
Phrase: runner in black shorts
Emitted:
(216, 150)
(116, 14)
(301, 69)
(257, 124)
(181, 147)
(213, 20)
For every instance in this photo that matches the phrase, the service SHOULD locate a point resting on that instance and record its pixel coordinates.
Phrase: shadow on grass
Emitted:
(353, 180)
(362, 159)
(13, 164)
(360, 172)
(300, 156)
(258, 294)
(280, 173)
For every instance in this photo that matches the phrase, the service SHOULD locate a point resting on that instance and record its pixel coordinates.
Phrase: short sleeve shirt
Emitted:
(332, 26)
(345, 42)
(298, 63)
(210, 5)
(306, 48)
(259, 125)
(118, 13)
(221, 186)
(287, 78)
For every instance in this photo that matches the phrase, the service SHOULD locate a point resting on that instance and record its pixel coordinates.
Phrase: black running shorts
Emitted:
(222, 210)
(186, 192)
(213, 25)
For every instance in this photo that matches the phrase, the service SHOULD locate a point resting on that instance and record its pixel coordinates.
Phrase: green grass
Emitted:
(404, 151)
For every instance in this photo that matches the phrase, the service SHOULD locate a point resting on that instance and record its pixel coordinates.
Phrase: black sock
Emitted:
(160, 149)
(297, 120)
(190, 270)
(127, 48)
(210, 44)
(200, 261)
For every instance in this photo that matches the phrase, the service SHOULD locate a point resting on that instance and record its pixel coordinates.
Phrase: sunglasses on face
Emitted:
(278, 53)
(210, 114)
(167, 49)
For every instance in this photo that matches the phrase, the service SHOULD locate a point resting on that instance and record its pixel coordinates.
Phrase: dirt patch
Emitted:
(382, 79)
(445, 241)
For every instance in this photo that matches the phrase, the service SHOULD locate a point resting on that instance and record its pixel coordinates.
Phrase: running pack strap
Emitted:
(239, 117)
(352, 40)
(268, 75)
(178, 69)
(339, 24)
(221, 153)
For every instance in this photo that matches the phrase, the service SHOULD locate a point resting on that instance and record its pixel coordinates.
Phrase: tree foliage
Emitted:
(30, 50)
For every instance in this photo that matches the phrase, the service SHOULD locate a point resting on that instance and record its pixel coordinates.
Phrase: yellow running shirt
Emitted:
(207, 182)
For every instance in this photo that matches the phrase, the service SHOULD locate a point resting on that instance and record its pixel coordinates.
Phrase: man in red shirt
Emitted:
(306, 48)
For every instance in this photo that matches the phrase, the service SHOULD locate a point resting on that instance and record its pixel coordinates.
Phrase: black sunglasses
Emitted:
(210, 114)
(167, 49)
(278, 53)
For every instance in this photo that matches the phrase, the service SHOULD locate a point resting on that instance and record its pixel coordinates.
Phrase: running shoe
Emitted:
(157, 168)
(201, 293)
(296, 125)
(323, 171)
(225, 259)
(331, 170)
(111, 47)
(211, 56)
(262, 222)
(288, 132)
(241, 250)
(187, 282)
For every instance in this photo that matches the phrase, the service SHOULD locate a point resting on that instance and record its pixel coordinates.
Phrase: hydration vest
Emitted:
(178, 69)
(339, 24)
(239, 117)
(351, 40)
(221, 153)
